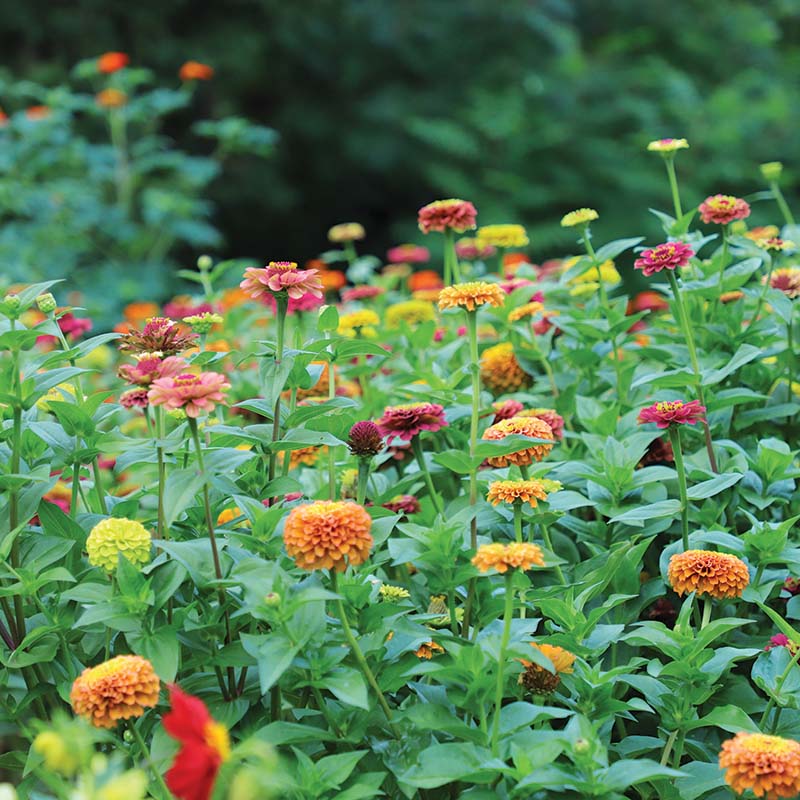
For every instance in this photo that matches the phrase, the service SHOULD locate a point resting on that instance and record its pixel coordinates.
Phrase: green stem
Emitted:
(549, 544)
(707, 606)
(668, 748)
(669, 163)
(451, 610)
(778, 687)
(452, 269)
(281, 304)
(676, 759)
(501, 661)
(782, 204)
(764, 290)
(723, 259)
(160, 432)
(416, 447)
(680, 468)
(517, 520)
(350, 252)
(501, 251)
(146, 757)
(363, 478)
(759, 574)
(789, 352)
(331, 451)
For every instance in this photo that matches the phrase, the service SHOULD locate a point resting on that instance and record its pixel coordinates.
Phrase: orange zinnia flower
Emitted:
(706, 572)
(111, 98)
(538, 679)
(523, 426)
(517, 555)
(470, 295)
(117, 689)
(37, 112)
(512, 491)
(196, 71)
(327, 534)
(428, 650)
(500, 370)
(112, 62)
(138, 313)
(768, 765)
(424, 279)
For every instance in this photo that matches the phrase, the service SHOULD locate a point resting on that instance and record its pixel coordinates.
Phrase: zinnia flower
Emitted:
(195, 394)
(505, 409)
(362, 293)
(359, 322)
(530, 491)
(204, 746)
(501, 236)
(160, 335)
(526, 310)
(469, 249)
(281, 276)
(502, 557)
(149, 367)
(723, 208)
(673, 412)
(407, 421)
(365, 439)
(327, 535)
(589, 281)
(470, 295)
(500, 370)
(408, 254)
(413, 312)
(111, 98)
(782, 640)
(767, 765)
(403, 504)
(195, 71)
(424, 280)
(134, 398)
(393, 594)
(667, 145)
(647, 301)
(522, 426)
(706, 572)
(548, 415)
(428, 650)
(786, 280)
(453, 214)
(538, 679)
(117, 689)
(669, 255)
(117, 536)
(112, 62)
(582, 216)
(346, 232)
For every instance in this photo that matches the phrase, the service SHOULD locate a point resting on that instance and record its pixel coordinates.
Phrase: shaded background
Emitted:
(529, 108)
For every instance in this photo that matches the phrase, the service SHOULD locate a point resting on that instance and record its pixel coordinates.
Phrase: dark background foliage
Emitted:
(527, 107)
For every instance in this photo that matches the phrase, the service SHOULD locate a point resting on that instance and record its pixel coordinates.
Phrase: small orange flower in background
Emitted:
(37, 112)
(332, 280)
(767, 765)
(500, 370)
(501, 557)
(527, 310)
(428, 650)
(513, 491)
(706, 572)
(117, 689)
(138, 313)
(470, 295)
(196, 71)
(328, 534)
(111, 98)
(538, 679)
(424, 279)
(112, 62)
(522, 426)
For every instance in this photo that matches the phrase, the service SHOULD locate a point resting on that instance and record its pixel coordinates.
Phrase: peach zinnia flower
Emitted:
(149, 367)
(723, 208)
(195, 394)
(530, 491)
(117, 689)
(408, 420)
(538, 679)
(500, 370)
(281, 276)
(669, 255)
(768, 765)
(502, 557)
(112, 62)
(196, 71)
(706, 572)
(522, 426)
(470, 295)
(452, 214)
(327, 535)
(786, 280)
(673, 412)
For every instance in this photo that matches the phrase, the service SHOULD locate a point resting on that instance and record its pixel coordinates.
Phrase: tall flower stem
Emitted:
(782, 204)
(214, 550)
(350, 252)
(762, 295)
(501, 660)
(363, 478)
(160, 432)
(146, 757)
(680, 468)
(723, 259)
(548, 542)
(790, 358)
(669, 163)
(416, 447)
(452, 270)
(281, 304)
(683, 321)
(359, 655)
(501, 252)
(778, 687)
(517, 520)
(707, 606)
(331, 451)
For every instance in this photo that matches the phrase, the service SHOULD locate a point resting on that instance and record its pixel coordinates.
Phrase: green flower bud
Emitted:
(771, 171)
(46, 303)
(11, 306)
(204, 263)
(272, 599)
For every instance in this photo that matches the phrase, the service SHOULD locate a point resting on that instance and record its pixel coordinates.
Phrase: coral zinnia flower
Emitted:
(786, 280)
(428, 650)
(673, 412)
(453, 214)
(424, 279)
(500, 370)
(538, 679)
(196, 71)
(768, 765)
(117, 689)
(512, 491)
(523, 426)
(149, 367)
(669, 255)
(501, 557)
(195, 394)
(159, 335)
(470, 295)
(667, 145)
(112, 62)
(327, 534)
(469, 249)
(723, 208)
(111, 98)
(706, 572)
(281, 276)
(204, 746)
(346, 232)
(406, 421)
(501, 236)
(582, 216)
(408, 254)
(114, 536)
(548, 415)
(413, 312)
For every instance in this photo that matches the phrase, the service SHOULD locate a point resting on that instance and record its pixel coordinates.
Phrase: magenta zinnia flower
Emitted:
(669, 255)
(365, 439)
(160, 335)
(74, 327)
(506, 409)
(403, 503)
(455, 215)
(406, 421)
(195, 394)
(150, 367)
(408, 254)
(134, 398)
(673, 412)
(723, 208)
(281, 276)
(362, 293)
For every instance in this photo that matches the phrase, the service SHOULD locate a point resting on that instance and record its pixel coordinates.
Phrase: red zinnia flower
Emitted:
(674, 412)
(669, 255)
(196, 71)
(453, 214)
(112, 62)
(205, 744)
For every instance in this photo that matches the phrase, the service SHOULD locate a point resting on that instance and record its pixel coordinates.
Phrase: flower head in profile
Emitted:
(771, 170)
(117, 689)
(673, 412)
(767, 765)
(134, 398)
(670, 255)
(412, 312)
(112, 62)
(548, 415)
(452, 214)
(159, 335)
(365, 439)
(195, 71)
(281, 276)
(579, 217)
(521, 426)
(526, 310)
(719, 575)
(667, 146)
(722, 209)
(501, 372)
(786, 280)
(469, 249)
(471, 295)
(540, 680)
(115, 537)
(362, 293)
(111, 98)
(410, 419)
(501, 236)
(502, 557)
(328, 534)
(530, 491)
(346, 232)
(403, 504)
(408, 254)
(505, 409)
(204, 746)
(149, 367)
(195, 394)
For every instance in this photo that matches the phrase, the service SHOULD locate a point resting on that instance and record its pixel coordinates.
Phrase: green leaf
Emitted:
(717, 484)
(644, 513)
(745, 354)
(729, 718)
(336, 769)
(628, 772)
(440, 764)
(349, 686)
(273, 652)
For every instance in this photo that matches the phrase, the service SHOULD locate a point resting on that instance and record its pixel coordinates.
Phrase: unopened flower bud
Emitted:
(203, 323)
(46, 303)
(11, 305)
(365, 440)
(581, 745)
(204, 263)
(771, 171)
(272, 599)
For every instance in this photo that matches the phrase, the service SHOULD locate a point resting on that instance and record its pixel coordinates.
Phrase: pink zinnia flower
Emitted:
(306, 302)
(792, 586)
(180, 307)
(134, 398)
(362, 293)
(408, 254)
(550, 416)
(782, 640)
(150, 367)
(468, 248)
(506, 409)
(512, 284)
(455, 215)
(74, 327)
(403, 503)
(723, 208)
(673, 412)
(406, 421)
(669, 255)
(195, 394)
(281, 276)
